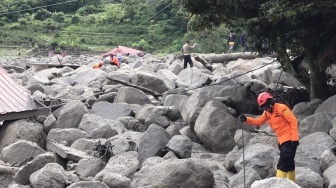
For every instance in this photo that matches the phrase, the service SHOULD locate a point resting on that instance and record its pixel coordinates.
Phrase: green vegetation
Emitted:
(299, 31)
(155, 26)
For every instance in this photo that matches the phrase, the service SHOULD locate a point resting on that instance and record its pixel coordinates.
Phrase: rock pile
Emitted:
(167, 126)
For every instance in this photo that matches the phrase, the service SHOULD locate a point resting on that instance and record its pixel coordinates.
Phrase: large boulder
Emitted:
(117, 181)
(313, 123)
(150, 81)
(174, 173)
(315, 144)
(20, 151)
(247, 177)
(329, 176)
(67, 135)
(192, 77)
(91, 122)
(275, 183)
(88, 184)
(161, 116)
(22, 176)
(153, 142)
(111, 111)
(305, 177)
(85, 77)
(22, 130)
(126, 164)
(131, 95)
(89, 167)
(260, 157)
(236, 97)
(51, 175)
(181, 146)
(328, 106)
(216, 128)
(71, 114)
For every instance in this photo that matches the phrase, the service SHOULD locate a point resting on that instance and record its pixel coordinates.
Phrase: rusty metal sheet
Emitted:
(13, 96)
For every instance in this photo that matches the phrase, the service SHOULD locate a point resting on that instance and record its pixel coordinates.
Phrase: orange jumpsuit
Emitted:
(285, 126)
(281, 120)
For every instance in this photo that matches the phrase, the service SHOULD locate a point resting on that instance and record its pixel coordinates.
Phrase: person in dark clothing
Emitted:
(243, 41)
(231, 40)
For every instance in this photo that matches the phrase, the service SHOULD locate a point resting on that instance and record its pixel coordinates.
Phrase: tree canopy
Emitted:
(296, 30)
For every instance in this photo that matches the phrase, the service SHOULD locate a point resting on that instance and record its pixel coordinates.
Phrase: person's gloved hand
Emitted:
(242, 118)
(295, 143)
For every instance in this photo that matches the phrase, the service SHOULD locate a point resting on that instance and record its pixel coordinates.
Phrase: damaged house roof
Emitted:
(13, 96)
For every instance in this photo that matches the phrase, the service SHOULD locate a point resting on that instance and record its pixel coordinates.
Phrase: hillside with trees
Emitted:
(155, 26)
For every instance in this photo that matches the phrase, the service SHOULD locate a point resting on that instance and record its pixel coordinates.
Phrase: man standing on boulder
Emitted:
(186, 49)
(285, 125)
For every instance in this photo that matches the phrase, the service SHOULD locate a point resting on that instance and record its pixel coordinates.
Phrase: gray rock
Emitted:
(241, 139)
(238, 179)
(152, 161)
(90, 122)
(89, 167)
(14, 185)
(259, 157)
(192, 77)
(305, 177)
(22, 130)
(67, 152)
(104, 132)
(173, 130)
(176, 100)
(131, 95)
(84, 144)
(186, 131)
(263, 139)
(22, 176)
(328, 158)
(315, 144)
(170, 155)
(153, 142)
(150, 81)
(49, 123)
(125, 164)
(181, 146)
(175, 173)
(18, 152)
(329, 176)
(274, 183)
(71, 114)
(132, 124)
(305, 108)
(328, 106)
(215, 127)
(117, 181)
(88, 184)
(51, 175)
(150, 114)
(176, 67)
(68, 135)
(313, 123)
(85, 77)
(110, 110)
(241, 99)
(231, 158)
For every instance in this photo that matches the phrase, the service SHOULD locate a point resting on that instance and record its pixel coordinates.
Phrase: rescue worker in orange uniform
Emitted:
(98, 65)
(285, 125)
(114, 60)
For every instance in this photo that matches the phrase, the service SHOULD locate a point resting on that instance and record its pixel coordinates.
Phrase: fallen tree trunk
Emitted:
(8, 170)
(204, 62)
(221, 58)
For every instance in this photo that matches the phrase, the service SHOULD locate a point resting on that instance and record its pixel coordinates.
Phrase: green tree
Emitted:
(299, 31)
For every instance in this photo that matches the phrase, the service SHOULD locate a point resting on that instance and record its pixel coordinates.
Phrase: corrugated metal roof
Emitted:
(13, 96)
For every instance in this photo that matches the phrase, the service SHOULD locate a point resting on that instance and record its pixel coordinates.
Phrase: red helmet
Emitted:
(262, 98)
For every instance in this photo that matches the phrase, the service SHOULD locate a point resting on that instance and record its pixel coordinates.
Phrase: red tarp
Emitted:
(125, 51)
